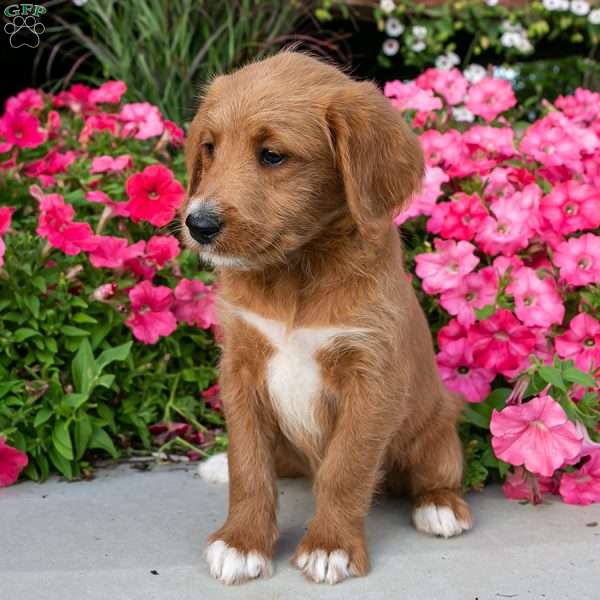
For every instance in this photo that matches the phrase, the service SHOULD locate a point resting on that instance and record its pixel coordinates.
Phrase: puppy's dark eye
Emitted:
(270, 158)
(209, 148)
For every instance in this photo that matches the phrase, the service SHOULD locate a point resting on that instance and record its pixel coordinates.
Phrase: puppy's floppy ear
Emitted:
(378, 156)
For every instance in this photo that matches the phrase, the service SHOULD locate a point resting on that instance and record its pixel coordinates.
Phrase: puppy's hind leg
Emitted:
(433, 477)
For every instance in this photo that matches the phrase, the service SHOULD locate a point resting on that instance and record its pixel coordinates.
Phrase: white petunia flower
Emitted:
(474, 73)
(393, 27)
(79, 2)
(509, 39)
(446, 61)
(594, 17)
(419, 32)
(552, 4)
(390, 47)
(580, 7)
(491, 2)
(418, 46)
(387, 6)
(563, 4)
(462, 114)
(523, 45)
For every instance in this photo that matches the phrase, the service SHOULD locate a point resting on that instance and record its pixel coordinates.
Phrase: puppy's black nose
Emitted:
(204, 228)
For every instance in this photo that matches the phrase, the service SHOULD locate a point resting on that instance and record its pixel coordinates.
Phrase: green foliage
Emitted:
(73, 386)
(165, 50)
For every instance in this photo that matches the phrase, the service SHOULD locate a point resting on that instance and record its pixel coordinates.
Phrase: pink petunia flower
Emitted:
(522, 485)
(100, 122)
(581, 107)
(108, 164)
(161, 249)
(12, 462)
(141, 120)
(571, 207)
(120, 209)
(56, 225)
(492, 140)
(26, 100)
(154, 195)
(458, 219)
(460, 374)
(22, 129)
(448, 83)
(476, 290)
(5, 218)
(151, 316)
(409, 96)
(490, 97)
(195, 303)
(502, 343)
(536, 434)
(508, 231)
(112, 252)
(53, 163)
(537, 301)
(175, 135)
(582, 486)
(78, 98)
(212, 396)
(581, 342)
(2, 252)
(445, 268)
(446, 150)
(579, 260)
(109, 92)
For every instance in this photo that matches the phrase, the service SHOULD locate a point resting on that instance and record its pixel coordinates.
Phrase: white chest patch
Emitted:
(293, 373)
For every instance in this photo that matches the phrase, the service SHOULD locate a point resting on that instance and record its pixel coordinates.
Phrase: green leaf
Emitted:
(82, 318)
(574, 375)
(82, 435)
(474, 417)
(101, 440)
(62, 440)
(39, 283)
(84, 368)
(33, 304)
(485, 312)
(117, 353)
(42, 416)
(24, 333)
(75, 401)
(553, 377)
(106, 380)
(71, 331)
(62, 464)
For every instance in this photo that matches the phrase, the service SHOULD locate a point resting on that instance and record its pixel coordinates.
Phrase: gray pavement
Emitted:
(130, 535)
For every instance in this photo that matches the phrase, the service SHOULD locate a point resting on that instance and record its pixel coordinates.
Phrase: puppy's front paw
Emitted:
(325, 567)
(441, 520)
(229, 565)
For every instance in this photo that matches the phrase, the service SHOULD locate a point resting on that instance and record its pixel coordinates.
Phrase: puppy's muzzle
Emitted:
(204, 226)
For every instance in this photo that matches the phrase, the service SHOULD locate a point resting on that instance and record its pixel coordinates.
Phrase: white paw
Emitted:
(214, 469)
(439, 520)
(321, 567)
(232, 566)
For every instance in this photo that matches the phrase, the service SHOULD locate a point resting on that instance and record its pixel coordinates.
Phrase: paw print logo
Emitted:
(24, 31)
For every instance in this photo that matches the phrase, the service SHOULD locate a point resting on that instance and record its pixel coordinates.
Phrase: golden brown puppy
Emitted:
(328, 367)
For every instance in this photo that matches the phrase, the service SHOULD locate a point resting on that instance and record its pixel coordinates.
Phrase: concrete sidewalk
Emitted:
(132, 535)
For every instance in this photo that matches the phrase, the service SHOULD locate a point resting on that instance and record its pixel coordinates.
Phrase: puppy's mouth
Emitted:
(220, 253)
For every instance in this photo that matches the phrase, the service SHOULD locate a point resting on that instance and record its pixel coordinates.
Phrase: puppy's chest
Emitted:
(293, 372)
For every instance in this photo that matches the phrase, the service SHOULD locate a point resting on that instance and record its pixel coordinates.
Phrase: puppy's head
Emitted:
(281, 149)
